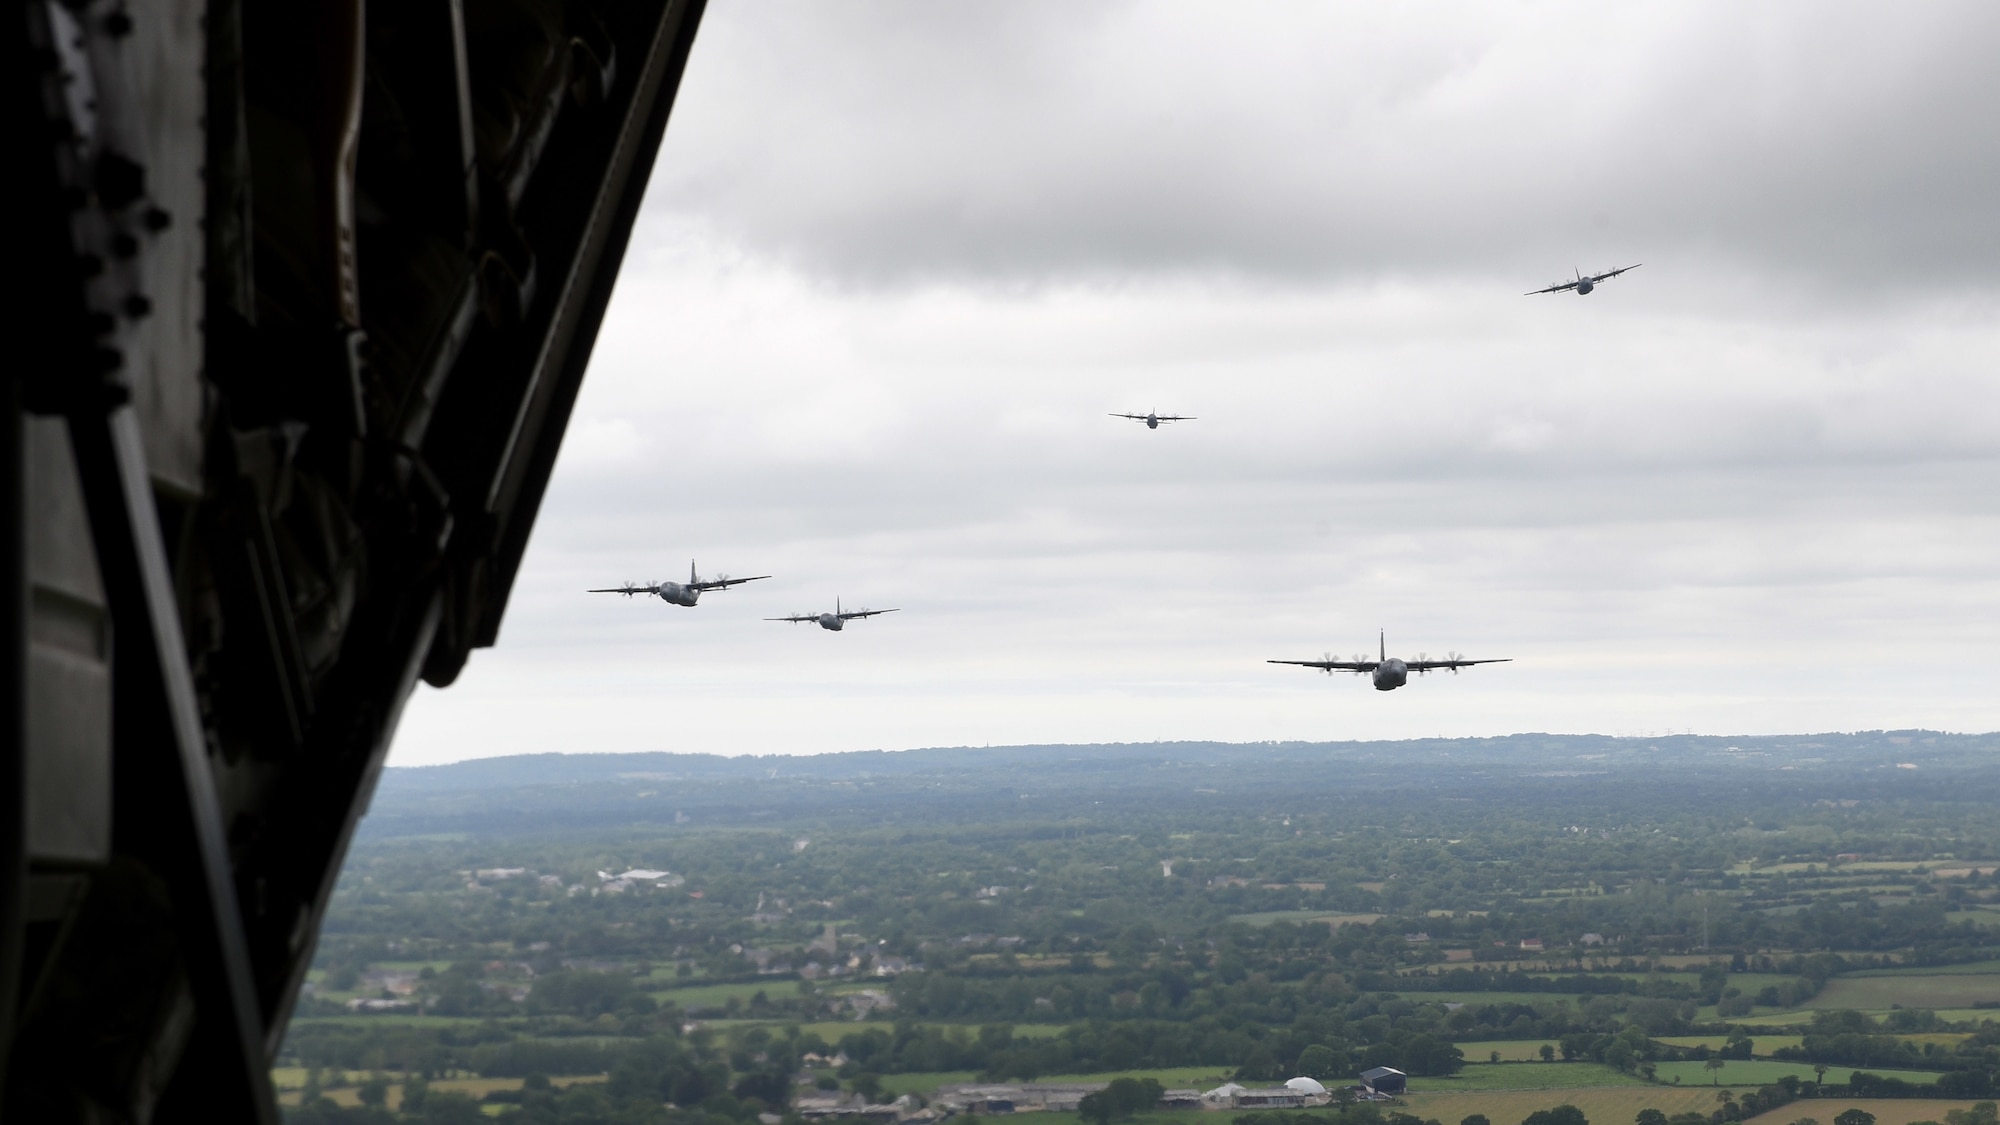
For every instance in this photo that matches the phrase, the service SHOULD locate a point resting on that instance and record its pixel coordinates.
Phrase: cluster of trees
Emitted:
(1122, 1099)
(1846, 1038)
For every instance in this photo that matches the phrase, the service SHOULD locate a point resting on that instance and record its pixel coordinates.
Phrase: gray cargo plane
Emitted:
(1390, 672)
(836, 621)
(1153, 420)
(1583, 284)
(681, 593)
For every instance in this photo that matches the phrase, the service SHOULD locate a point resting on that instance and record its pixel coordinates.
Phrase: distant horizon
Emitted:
(1886, 732)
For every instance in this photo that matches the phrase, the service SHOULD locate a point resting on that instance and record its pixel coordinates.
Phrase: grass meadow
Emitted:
(1931, 990)
(1527, 1076)
(1510, 1050)
(1760, 1044)
(1763, 1072)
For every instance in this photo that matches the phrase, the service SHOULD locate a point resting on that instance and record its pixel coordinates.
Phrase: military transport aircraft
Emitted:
(836, 621)
(1153, 420)
(1584, 284)
(1390, 672)
(681, 593)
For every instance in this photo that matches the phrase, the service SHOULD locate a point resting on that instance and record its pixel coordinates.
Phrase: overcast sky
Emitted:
(898, 261)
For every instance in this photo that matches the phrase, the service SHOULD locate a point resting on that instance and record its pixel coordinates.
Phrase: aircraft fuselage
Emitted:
(673, 593)
(1584, 286)
(1391, 674)
(1152, 422)
(831, 621)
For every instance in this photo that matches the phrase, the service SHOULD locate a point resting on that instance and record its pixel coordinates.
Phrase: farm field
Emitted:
(1180, 1077)
(832, 1030)
(923, 1082)
(1602, 1105)
(350, 1096)
(1887, 1111)
(1976, 917)
(1771, 1019)
(712, 995)
(1969, 968)
(1172, 1077)
(390, 1019)
(1880, 993)
(1511, 1050)
(1762, 1072)
(1760, 1044)
(1527, 1076)
(1477, 1000)
(1331, 917)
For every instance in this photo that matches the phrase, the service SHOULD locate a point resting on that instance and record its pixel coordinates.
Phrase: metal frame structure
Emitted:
(307, 313)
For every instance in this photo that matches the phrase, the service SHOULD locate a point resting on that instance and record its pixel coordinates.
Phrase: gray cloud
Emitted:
(1847, 142)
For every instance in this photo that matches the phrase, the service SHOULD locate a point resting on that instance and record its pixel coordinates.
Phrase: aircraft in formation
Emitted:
(1153, 419)
(1391, 672)
(681, 593)
(836, 621)
(1582, 284)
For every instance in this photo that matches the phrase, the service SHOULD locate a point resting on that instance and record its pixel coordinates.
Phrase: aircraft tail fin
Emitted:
(692, 576)
(1383, 638)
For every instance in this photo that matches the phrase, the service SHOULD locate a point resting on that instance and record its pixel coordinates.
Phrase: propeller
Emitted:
(1328, 657)
(1421, 658)
(1454, 657)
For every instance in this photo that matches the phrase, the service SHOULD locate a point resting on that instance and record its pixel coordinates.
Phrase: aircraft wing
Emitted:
(628, 590)
(1333, 665)
(1434, 665)
(1134, 417)
(1177, 418)
(796, 618)
(854, 613)
(725, 583)
(1556, 288)
(1616, 272)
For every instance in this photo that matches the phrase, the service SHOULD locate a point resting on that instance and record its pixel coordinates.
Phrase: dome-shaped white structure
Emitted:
(1306, 1086)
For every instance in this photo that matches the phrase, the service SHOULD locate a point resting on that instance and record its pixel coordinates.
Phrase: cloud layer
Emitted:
(1847, 142)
